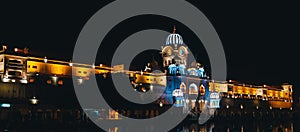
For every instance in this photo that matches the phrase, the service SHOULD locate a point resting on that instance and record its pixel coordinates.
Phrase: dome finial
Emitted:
(174, 30)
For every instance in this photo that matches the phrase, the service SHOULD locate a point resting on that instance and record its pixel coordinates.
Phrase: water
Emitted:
(187, 126)
(220, 123)
(240, 126)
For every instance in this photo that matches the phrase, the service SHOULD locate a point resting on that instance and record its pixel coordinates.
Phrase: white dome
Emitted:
(174, 39)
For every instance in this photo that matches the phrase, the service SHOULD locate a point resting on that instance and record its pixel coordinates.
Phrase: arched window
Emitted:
(183, 87)
(192, 72)
(202, 89)
(193, 89)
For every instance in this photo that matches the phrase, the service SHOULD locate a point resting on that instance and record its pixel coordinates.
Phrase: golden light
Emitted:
(49, 81)
(242, 107)
(4, 47)
(31, 80)
(104, 75)
(131, 74)
(60, 82)
(227, 106)
(143, 89)
(16, 49)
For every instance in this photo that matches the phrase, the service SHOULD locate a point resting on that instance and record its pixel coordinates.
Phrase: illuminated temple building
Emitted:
(186, 85)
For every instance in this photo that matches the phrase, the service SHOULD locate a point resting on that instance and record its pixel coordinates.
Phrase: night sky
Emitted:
(260, 39)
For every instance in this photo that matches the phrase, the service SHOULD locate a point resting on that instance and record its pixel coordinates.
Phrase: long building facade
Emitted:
(186, 85)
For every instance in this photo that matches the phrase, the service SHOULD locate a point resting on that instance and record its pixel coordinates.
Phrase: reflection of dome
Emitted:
(174, 38)
(182, 66)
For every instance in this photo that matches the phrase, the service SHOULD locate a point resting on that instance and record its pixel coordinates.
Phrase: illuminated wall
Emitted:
(160, 80)
(1, 63)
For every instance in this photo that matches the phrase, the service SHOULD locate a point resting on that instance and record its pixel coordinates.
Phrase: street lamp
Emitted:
(34, 100)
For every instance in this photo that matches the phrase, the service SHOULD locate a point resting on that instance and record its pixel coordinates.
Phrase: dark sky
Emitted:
(260, 38)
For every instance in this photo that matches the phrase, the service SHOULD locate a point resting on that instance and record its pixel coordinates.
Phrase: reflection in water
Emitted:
(236, 122)
(75, 121)
(115, 129)
(239, 126)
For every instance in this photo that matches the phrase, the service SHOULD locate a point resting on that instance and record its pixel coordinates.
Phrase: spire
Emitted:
(174, 30)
